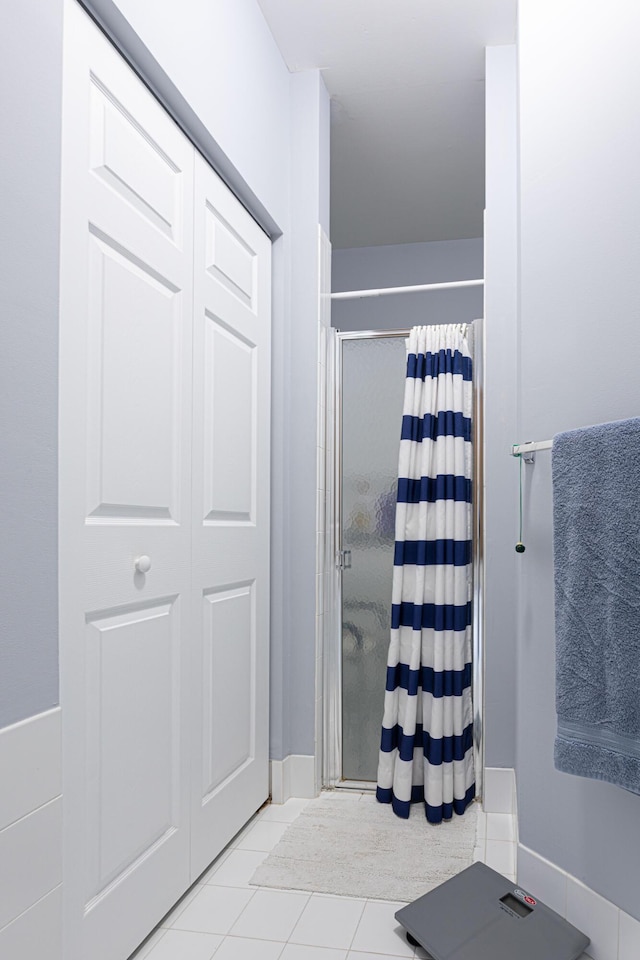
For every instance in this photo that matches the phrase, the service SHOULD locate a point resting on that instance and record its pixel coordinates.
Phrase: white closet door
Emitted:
(125, 498)
(232, 334)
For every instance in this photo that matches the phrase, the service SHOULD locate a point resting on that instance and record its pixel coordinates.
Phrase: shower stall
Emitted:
(367, 377)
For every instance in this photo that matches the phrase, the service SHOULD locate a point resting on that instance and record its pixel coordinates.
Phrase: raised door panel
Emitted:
(129, 160)
(229, 417)
(135, 364)
(132, 737)
(229, 682)
(231, 430)
(229, 258)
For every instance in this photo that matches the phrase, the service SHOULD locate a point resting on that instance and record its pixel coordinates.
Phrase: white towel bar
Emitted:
(527, 450)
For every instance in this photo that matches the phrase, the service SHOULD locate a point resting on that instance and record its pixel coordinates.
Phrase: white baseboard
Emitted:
(499, 790)
(37, 932)
(293, 777)
(30, 860)
(31, 837)
(30, 760)
(615, 935)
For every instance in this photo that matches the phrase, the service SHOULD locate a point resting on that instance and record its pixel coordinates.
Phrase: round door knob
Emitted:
(143, 564)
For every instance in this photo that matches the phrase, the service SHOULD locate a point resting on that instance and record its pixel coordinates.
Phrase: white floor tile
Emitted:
(284, 812)
(248, 827)
(297, 951)
(629, 947)
(328, 922)
(244, 948)
(217, 863)
(479, 850)
(263, 836)
(145, 948)
(224, 919)
(184, 945)
(368, 798)
(481, 824)
(421, 954)
(501, 856)
(596, 917)
(237, 869)
(379, 931)
(181, 905)
(213, 909)
(359, 955)
(500, 826)
(271, 915)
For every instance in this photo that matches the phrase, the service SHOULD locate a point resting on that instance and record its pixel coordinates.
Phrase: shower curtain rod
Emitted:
(385, 291)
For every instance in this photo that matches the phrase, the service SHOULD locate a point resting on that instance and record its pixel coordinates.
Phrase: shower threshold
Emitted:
(358, 786)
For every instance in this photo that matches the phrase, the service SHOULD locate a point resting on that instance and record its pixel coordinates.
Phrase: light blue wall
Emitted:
(500, 402)
(579, 76)
(294, 424)
(310, 201)
(224, 62)
(216, 67)
(30, 81)
(362, 268)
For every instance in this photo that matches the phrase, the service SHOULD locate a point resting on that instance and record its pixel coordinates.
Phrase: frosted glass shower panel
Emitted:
(373, 373)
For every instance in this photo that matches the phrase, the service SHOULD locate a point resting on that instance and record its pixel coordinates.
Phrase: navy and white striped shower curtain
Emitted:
(427, 729)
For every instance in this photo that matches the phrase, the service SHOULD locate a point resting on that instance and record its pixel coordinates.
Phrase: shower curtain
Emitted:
(427, 729)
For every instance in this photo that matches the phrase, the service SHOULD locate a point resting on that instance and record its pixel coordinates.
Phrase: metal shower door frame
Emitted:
(332, 645)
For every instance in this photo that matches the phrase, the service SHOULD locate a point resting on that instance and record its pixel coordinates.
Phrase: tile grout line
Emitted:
(355, 932)
(215, 950)
(364, 905)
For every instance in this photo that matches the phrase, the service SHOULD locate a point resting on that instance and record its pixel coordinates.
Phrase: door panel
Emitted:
(230, 259)
(125, 493)
(133, 795)
(133, 165)
(132, 389)
(373, 379)
(231, 424)
(229, 649)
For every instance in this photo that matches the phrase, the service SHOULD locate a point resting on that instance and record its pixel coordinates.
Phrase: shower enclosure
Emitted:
(371, 411)
(369, 374)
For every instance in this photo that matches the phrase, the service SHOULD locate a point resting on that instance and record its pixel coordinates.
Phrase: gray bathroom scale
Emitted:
(480, 915)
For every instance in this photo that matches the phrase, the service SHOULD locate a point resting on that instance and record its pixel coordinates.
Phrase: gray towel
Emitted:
(596, 518)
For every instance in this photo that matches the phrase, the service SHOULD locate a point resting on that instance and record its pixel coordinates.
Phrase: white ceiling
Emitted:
(406, 79)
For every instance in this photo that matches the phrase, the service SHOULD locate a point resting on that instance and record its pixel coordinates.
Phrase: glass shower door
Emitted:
(372, 392)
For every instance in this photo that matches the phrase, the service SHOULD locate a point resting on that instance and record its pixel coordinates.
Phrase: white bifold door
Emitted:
(230, 509)
(164, 505)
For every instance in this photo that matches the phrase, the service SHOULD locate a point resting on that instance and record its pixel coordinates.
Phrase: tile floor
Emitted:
(224, 918)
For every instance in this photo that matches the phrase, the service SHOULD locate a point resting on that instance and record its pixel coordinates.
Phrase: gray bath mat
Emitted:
(359, 848)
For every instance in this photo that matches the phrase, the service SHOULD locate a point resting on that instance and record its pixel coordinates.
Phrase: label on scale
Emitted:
(525, 896)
